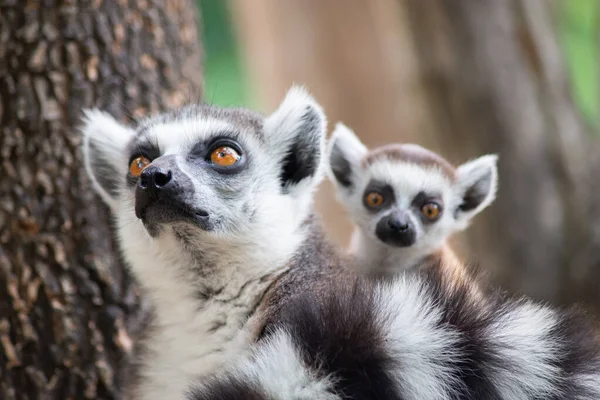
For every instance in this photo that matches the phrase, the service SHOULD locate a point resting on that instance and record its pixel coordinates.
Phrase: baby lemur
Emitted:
(214, 214)
(404, 200)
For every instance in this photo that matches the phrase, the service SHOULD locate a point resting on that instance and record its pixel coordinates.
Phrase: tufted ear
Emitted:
(297, 130)
(477, 185)
(104, 153)
(345, 152)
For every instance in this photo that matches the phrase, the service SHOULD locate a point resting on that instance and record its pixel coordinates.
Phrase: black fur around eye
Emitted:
(146, 150)
(145, 153)
(223, 142)
(377, 196)
(430, 206)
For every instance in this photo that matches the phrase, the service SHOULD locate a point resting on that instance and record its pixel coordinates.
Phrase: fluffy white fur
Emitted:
(348, 143)
(523, 335)
(102, 131)
(277, 369)
(416, 338)
(529, 351)
(471, 172)
(282, 127)
(239, 259)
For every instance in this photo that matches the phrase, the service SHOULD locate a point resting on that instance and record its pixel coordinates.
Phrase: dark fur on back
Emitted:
(339, 336)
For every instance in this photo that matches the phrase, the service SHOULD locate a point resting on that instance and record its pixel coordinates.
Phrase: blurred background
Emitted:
(519, 78)
(516, 78)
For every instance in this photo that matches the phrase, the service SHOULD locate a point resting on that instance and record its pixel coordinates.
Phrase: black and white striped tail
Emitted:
(416, 339)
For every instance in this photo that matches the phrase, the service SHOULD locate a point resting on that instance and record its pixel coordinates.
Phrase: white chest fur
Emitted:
(202, 311)
(191, 339)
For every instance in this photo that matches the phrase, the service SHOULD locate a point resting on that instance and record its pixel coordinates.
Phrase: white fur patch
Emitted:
(182, 346)
(484, 167)
(591, 383)
(528, 351)
(345, 141)
(421, 345)
(282, 128)
(109, 138)
(176, 137)
(277, 368)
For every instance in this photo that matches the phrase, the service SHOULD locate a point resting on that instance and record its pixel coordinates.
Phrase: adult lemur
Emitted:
(213, 208)
(405, 200)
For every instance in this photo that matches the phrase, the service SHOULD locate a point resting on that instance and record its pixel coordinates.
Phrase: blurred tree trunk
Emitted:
(464, 78)
(69, 310)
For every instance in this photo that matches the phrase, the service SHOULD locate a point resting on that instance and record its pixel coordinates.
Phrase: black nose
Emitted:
(153, 179)
(396, 229)
(398, 224)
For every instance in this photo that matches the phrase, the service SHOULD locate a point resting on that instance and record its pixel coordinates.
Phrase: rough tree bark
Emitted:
(463, 78)
(69, 310)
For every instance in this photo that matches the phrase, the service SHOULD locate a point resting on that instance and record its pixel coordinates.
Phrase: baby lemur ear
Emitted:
(345, 152)
(104, 155)
(296, 130)
(477, 185)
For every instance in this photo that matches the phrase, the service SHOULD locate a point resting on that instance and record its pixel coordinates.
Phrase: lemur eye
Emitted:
(431, 210)
(137, 166)
(224, 156)
(374, 199)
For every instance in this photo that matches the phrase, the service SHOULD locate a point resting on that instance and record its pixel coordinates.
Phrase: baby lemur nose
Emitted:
(398, 224)
(396, 229)
(153, 179)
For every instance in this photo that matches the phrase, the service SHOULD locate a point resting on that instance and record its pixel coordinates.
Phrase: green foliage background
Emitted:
(224, 75)
(578, 24)
(226, 80)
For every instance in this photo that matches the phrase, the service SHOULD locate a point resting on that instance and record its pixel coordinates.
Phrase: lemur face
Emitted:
(207, 173)
(404, 195)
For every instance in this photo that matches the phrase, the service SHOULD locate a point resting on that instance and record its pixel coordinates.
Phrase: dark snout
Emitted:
(396, 229)
(164, 194)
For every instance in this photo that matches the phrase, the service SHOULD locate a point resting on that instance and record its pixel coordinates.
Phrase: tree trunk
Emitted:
(69, 310)
(464, 78)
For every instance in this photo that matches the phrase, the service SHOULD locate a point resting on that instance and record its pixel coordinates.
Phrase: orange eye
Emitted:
(224, 156)
(374, 199)
(137, 165)
(431, 210)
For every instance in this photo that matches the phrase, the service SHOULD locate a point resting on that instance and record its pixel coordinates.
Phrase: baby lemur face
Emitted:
(404, 195)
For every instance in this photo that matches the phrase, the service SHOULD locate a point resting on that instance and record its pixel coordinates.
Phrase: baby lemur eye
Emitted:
(431, 210)
(374, 199)
(224, 156)
(137, 165)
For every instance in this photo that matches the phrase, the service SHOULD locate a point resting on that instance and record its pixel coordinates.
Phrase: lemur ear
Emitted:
(477, 185)
(104, 156)
(345, 152)
(297, 131)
